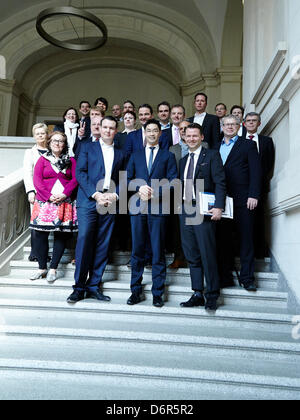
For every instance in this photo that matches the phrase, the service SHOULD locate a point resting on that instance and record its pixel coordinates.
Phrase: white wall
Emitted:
(271, 41)
(115, 84)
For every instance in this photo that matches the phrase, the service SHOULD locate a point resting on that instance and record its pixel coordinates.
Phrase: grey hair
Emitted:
(253, 114)
(230, 117)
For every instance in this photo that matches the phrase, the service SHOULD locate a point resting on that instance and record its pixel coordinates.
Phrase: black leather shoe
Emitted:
(250, 287)
(135, 299)
(75, 297)
(97, 296)
(158, 302)
(211, 304)
(196, 300)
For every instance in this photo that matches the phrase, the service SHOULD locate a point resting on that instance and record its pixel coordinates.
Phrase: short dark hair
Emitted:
(69, 109)
(178, 106)
(110, 118)
(195, 125)
(153, 121)
(202, 94)
(221, 103)
(128, 101)
(147, 106)
(131, 113)
(239, 107)
(84, 102)
(165, 103)
(103, 100)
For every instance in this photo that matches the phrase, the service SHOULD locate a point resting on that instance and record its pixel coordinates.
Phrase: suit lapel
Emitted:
(155, 163)
(200, 161)
(97, 152)
(234, 150)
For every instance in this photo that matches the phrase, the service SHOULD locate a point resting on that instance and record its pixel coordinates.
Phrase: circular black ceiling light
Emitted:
(81, 43)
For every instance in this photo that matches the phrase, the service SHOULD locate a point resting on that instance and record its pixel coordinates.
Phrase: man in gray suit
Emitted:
(180, 150)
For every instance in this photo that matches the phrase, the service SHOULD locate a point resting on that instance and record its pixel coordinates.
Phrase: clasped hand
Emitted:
(106, 199)
(146, 193)
(57, 198)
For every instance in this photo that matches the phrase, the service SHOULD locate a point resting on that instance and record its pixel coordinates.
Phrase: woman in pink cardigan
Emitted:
(54, 207)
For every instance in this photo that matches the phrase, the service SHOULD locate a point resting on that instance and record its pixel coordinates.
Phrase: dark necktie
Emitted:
(150, 164)
(189, 185)
(251, 137)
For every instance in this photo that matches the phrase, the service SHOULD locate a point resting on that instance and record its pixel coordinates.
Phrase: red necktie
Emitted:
(251, 137)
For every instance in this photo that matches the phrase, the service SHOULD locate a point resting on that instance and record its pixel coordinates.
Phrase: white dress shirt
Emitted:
(199, 118)
(148, 152)
(196, 158)
(108, 152)
(255, 138)
(240, 133)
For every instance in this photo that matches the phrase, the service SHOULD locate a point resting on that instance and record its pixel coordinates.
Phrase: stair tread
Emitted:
(235, 311)
(25, 264)
(60, 354)
(178, 286)
(147, 332)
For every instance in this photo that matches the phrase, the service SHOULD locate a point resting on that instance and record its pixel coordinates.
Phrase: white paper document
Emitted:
(207, 202)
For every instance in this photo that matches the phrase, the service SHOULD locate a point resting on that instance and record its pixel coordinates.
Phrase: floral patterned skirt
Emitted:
(51, 217)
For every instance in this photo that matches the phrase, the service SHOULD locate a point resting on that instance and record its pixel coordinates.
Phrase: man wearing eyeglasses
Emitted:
(243, 178)
(266, 151)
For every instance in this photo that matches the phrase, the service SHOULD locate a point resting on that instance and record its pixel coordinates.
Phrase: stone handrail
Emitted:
(14, 209)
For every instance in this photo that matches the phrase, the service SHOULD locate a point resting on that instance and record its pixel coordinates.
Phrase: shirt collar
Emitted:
(254, 135)
(196, 152)
(107, 146)
(156, 147)
(233, 140)
(200, 115)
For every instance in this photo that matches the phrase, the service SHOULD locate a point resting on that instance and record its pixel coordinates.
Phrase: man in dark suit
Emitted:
(97, 166)
(180, 150)
(266, 152)
(210, 123)
(198, 238)
(243, 179)
(152, 164)
(238, 111)
(84, 133)
(84, 111)
(136, 139)
(177, 117)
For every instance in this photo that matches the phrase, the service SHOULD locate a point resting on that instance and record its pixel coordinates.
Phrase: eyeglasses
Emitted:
(58, 141)
(230, 125)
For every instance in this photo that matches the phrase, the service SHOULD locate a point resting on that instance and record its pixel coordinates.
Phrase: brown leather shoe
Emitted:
(178, 264)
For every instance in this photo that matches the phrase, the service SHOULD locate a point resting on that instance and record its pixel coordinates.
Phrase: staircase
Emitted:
(51, 350)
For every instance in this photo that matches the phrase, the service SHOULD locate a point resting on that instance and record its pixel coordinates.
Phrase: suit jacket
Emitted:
(135, 142)
(210, 168)
(267, 160)
(90, 170)
(176, 150)
(164, 167)
(243, 172)
(120, 141)
(211, 130)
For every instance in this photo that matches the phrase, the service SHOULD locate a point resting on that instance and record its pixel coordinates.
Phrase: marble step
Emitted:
(176, 291)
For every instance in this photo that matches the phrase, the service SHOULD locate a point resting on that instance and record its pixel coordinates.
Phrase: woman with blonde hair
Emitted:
(40, 134)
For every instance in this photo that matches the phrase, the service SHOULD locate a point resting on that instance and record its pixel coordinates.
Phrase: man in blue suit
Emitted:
(150, 164)
(97, 172)
(136, 139)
